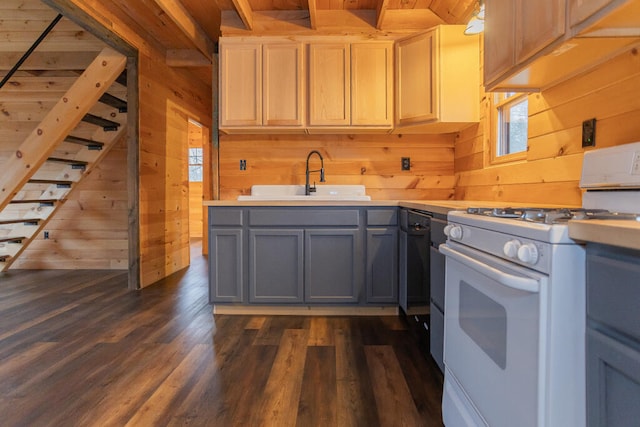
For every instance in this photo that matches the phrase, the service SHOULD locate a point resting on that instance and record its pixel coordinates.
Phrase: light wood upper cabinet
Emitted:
(538, 24)
(329, 84)
(240, 85)
(515, 30)
(580, 10)
(437, 81)
(261, 86)
(532, 45)
(350, 86)
(415, 67)
(283, 74)
(499, 38)
(372, 84)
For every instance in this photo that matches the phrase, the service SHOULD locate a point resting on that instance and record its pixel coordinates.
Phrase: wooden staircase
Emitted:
(36, 181)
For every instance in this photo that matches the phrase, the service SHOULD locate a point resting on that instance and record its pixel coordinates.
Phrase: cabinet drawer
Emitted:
(382, 217)
(225, 217)
(613, 290)
(304, 217)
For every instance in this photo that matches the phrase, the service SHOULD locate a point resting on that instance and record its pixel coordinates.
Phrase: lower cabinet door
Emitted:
(382, 265)
(613, 381)
(276, 266)
(226, 278)
(332, 271)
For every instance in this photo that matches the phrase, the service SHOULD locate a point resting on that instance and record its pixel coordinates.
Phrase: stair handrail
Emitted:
(30, 50)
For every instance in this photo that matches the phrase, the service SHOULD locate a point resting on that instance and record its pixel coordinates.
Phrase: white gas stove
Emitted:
(515, 302)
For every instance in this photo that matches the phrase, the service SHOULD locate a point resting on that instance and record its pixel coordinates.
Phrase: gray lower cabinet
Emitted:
(276, 266)
(613, 336)
(226, 278)
(382, 265)
(332, 267)
(303, 255)
(227, 263)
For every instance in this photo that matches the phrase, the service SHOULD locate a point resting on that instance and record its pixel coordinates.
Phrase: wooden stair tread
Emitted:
(58, 182)
(16, 239)
(83, 141)
(107, 125)
(33, 221)
(122, 78)
(114, 101)
(41, 201)
(67, 161)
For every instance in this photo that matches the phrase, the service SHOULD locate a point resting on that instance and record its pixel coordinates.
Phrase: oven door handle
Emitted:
(509, 280)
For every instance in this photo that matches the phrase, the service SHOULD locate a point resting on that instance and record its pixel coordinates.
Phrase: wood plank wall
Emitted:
(551, 171)
(90, 230)
(168, 96)
(168, 99)
(371, 160)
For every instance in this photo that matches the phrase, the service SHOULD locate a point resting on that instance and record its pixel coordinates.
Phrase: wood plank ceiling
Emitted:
(187, 30)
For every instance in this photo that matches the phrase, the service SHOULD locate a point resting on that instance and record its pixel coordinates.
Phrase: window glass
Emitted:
(511, 124)
(195, 164)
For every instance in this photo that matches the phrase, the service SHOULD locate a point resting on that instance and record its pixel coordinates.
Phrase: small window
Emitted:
(512, 117)
(195, 164)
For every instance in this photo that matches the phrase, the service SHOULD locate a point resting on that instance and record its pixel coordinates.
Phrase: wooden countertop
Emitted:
(436, 206)
(625, 234)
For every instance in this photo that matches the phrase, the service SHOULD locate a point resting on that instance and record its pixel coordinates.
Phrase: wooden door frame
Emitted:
(89, 23)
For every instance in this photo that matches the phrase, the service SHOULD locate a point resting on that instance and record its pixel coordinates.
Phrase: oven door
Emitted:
(495, 315)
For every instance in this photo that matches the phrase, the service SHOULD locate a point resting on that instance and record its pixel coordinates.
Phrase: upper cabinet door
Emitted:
(415, 66)
(282, 84)
(499, 38)
(241, 85)
(579, 10)
(329, 84)
(372, 84)
(538, 24)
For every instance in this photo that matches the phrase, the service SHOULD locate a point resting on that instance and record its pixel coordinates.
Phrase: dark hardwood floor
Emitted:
(78, 349)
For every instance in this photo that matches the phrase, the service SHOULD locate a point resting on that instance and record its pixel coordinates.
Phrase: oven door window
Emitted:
(485, 322)
(492, 336)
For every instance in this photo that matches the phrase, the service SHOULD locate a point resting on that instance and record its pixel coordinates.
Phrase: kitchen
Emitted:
(448, 166)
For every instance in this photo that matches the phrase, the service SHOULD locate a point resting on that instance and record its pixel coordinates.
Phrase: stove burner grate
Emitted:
(551, 215)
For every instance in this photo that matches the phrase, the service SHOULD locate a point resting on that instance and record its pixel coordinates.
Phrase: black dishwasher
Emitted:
(414, 292)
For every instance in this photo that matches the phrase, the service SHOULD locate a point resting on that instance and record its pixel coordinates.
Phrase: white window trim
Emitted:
(495, 132)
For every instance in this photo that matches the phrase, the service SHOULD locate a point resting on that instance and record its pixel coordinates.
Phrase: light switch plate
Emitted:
(589, 133)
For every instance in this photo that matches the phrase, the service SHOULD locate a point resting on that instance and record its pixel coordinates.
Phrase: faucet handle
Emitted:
(312, 188)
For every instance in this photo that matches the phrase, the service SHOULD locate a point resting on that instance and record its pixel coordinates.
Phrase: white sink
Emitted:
(296, 192)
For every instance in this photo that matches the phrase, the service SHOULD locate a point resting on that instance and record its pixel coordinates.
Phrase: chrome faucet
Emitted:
(307, 188)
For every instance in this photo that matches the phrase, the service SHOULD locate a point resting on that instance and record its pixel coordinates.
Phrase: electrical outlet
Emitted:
(635, 167)
(589, 133)
(243, 165)
(46, 235)
(406, 163)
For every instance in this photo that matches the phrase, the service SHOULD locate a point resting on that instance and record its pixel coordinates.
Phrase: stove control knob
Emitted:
(510, 248)
(453, 231)
(528, 253)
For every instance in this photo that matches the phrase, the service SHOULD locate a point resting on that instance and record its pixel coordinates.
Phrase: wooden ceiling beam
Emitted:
(381, 11)
(244, 11)
(410, 19)
(186, 58)
(189, 26)
(313, 13)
